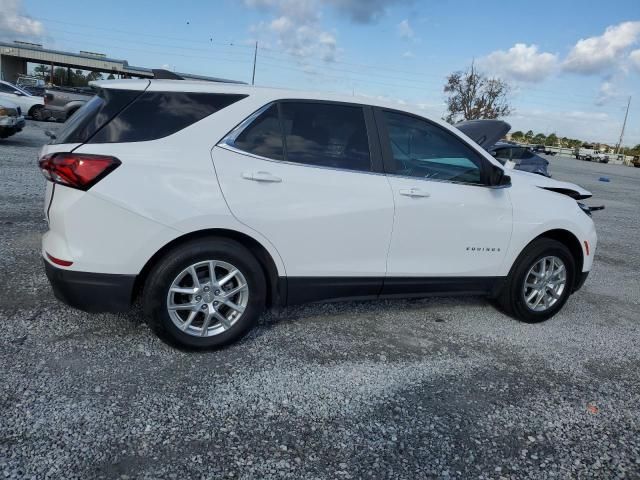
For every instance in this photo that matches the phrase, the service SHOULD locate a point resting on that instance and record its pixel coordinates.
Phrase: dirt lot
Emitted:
(443, 388)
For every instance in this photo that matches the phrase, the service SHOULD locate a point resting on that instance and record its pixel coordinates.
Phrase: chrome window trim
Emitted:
(231, 137)
(235, 149)
(441, 180)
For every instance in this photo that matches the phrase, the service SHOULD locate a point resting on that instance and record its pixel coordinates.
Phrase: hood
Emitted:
(484, 132)
(570, 189)
(7, 103)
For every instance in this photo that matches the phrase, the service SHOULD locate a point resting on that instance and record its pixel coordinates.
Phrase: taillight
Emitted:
(77, 170)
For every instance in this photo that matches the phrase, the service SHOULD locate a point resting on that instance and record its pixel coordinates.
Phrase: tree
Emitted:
(41, 70)
(472, 95)
(552, 140)
(94, 76)
(528, 136)
(539, 139)
(517, 136)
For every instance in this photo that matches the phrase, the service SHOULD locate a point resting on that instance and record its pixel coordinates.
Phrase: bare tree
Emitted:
(472, 95)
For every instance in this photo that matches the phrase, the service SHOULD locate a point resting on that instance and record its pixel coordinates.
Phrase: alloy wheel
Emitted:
(207, 298)
(544, 283)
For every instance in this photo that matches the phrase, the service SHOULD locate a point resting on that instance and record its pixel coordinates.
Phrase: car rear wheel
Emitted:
(205, 294)
(539, 283)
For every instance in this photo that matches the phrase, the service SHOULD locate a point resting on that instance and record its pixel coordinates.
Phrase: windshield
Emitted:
(15, 87)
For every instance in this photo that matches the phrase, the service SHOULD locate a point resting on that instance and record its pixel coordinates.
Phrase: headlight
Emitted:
(584, 208)
(8, 112)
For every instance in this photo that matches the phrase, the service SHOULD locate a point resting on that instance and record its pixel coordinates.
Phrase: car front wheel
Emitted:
(205, 294)
(37, 113)
(540, 282)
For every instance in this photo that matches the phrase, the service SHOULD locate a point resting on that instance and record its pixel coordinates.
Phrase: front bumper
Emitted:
(582, 277)
(11, 125)
(91, 292)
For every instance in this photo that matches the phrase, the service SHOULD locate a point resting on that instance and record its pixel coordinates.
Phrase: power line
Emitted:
(275, 55)
(137, 33)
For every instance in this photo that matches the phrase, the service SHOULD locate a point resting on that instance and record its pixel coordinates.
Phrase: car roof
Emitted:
(268, 93)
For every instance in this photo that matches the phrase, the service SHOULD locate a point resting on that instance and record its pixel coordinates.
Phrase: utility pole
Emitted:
(624, 124)
(255, 56)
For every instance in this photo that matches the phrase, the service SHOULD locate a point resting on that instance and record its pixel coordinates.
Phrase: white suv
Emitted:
(29, 104)
(212, 202)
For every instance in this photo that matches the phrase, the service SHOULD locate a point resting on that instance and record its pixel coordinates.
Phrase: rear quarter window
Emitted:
(94, 114)
(155, 115)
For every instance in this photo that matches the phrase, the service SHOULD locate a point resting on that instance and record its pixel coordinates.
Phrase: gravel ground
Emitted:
(436, 388)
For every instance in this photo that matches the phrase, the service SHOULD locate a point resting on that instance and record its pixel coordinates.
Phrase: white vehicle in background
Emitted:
(591, 155)
(600, 157)
(211, 202)
(11, 119)
(31, 105)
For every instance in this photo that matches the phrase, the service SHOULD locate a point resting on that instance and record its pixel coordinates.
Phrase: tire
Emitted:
(512, 300)
(36, 113)
(226, 253)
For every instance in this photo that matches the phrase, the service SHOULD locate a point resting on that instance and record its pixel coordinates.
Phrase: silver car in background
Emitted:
(11, 119)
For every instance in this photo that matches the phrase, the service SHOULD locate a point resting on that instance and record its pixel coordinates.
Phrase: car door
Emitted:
(9, 92)
(6, 92)
(449, 225)
(308, 176)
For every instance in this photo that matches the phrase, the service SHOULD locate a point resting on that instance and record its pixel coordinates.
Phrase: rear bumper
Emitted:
(91, 292)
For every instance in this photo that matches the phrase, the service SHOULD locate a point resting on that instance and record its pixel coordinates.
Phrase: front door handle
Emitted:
(414, 192)
(261, 177)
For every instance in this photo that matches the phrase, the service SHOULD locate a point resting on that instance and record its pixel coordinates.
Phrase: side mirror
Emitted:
(498, 179)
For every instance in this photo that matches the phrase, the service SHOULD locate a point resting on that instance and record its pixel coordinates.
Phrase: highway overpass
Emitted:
(15, 56)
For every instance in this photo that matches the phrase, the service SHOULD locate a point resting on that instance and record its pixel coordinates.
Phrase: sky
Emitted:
(571, 65)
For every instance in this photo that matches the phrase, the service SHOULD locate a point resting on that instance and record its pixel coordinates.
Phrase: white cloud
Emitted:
(634, 57)
(15, 25)
(296, 28)
(606, 92)
(405, 31)
(596, 54)
(408, 54)
(521, 62)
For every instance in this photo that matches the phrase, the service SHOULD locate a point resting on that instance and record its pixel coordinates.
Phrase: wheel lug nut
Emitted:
(198, 298)
(216, 303)
(204, 307)
(217, 292)
(206, 289)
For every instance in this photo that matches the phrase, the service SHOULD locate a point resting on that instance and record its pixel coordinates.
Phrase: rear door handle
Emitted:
(261, 177)
(414, 192)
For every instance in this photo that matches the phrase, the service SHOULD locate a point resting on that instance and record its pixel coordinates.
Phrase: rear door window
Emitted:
(326, 135)
(264, 136)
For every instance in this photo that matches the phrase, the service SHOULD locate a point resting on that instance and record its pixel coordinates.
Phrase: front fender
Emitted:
(537, 211)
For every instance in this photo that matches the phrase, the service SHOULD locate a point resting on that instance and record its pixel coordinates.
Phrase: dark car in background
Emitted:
(523, 157)
(487, 134)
